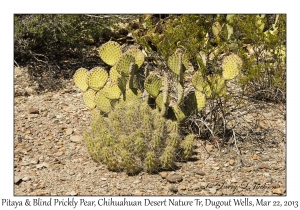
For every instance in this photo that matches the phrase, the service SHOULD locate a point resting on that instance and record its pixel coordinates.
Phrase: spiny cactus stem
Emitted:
(131, 74)
(180, 81)
(145, 93)
(165, 95)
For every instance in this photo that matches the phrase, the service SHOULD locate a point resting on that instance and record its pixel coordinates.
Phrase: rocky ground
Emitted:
(50, 157)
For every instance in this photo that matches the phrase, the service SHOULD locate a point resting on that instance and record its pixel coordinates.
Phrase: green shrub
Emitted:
(48, 33)
(258, 39)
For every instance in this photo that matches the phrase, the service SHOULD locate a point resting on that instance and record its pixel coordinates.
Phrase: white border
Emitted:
(8, 8)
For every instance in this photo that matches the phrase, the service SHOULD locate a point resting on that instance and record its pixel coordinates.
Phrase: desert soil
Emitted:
(50, 157)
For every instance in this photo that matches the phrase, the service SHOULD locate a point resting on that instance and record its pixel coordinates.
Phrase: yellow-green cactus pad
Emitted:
(80, 78)
(122, 81)
(134, 78)
(175, 63)
(111, 91)
(200, 100)
(103, 103)
(124, 64)
(97, 78)
(231, 66)
(197, 81)
(132, 94)
(110, 52)
(153, 84)
(159, 101)
(114, 74)
(138, 55)
(178, 113)
(89, 98)
(216, 29)
(217, 86)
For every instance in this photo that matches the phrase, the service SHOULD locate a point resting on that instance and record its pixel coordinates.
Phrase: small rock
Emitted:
(263, 165)
(248, 169)
(163, 174)
(76, 139)
(173, 178)
(34, 161)
(195, 188)
(67, 109)
(181, 187)
(136, 181)
(173, 188)
(103, 179)
(213, 190)
(279, 191)
(18, 180)
(58, 154)
(200, 172)
(203, 185)
(216, 168)
(29, 90)
(231, 162)
(26, 178)
(73, 193)
(254, 157)
(33, 111)
(265, 159)
(42, 165)
(266, 174)
(209, 147)
(233, 180)
(69, 131)
(137, 193)
(25, 163)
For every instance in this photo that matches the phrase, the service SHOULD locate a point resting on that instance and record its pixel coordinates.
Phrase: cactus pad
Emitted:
(97, 78)
(159, 101)
(178, 113)
(175, 63)
(80, 78)
(114, 74)
(110, 52)
(153, 84)
(89, 98)
(138, 55)
(198, 81)
(132, 94)
(200, 100)
(103, 103)
(216, 29)
(111, 91)
(124, 63)
(231, 66)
